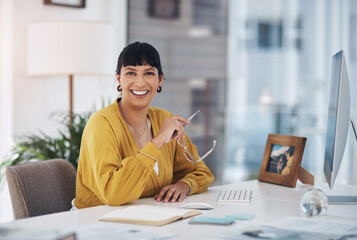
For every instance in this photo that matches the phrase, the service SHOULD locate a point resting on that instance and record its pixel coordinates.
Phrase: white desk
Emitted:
(269, 202)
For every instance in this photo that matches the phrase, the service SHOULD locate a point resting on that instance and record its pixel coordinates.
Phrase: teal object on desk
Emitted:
(241, 216)
(212, 220)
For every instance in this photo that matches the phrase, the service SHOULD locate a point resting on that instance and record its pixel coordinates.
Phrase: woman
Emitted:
(289, 155)
(281, 164)
(129, 150)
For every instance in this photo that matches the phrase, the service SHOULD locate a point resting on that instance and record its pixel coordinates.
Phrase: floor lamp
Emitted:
(70, 48)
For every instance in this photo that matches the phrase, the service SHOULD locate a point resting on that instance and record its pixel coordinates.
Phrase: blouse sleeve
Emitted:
(113, 179)
(197, 176)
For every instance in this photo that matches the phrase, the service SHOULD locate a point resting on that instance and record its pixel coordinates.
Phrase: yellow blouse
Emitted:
(286, 170)
(112, 171)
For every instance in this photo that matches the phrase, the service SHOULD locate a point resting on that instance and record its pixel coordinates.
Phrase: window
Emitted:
(252, 71)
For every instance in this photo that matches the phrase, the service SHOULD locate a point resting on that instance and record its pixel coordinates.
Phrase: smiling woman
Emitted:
(129, 150)
(138, 83)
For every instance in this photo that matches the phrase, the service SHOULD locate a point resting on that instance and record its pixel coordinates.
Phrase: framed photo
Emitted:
(67, 3)
(165, 9)
(282, 157)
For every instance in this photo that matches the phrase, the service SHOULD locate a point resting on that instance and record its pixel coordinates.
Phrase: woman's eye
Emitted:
(130, 73)
(150, 73)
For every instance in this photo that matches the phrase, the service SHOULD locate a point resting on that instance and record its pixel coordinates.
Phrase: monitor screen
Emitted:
(338, 118)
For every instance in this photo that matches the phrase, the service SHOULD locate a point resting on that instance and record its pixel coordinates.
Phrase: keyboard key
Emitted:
(236, 195)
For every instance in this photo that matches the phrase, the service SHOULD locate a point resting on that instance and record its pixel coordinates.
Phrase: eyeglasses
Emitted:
(186, 153)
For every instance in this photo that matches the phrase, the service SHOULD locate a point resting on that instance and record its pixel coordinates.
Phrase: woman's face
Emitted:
(287, 155)
(139, 84)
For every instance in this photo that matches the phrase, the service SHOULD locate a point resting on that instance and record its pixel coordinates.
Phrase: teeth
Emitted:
(139, 92)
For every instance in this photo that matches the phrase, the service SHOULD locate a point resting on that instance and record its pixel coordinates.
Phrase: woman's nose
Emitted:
(140, 81)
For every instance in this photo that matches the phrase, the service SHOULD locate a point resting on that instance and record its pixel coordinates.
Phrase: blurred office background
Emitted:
(252, 67)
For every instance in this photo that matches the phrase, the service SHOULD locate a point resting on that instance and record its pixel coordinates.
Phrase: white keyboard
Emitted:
(235, 195)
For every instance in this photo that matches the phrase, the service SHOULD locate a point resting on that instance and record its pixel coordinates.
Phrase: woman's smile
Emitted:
(139, 93)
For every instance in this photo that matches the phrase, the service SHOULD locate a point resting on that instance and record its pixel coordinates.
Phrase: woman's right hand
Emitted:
(172, 129)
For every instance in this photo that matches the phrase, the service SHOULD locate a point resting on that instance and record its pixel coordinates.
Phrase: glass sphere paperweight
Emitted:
(314, 202)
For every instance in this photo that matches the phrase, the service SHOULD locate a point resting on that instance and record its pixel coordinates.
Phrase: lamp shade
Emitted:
(70, 47)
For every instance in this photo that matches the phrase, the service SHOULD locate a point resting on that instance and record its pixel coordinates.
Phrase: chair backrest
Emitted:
(42, 187)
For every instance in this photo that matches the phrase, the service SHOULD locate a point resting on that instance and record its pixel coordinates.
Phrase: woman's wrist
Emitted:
(157, 142)
(190, 186)
(185, 185)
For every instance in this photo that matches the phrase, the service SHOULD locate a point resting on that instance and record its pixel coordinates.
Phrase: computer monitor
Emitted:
(337, 125)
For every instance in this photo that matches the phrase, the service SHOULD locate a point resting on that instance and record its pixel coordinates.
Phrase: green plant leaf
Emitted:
(42, 147)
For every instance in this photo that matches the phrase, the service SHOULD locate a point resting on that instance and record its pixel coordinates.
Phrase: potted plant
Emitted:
(43, 147)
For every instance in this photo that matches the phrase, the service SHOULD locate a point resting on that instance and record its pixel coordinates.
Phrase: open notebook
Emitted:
(149, 215)
(235, 195)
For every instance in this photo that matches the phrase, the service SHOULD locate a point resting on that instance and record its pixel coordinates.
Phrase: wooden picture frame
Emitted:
(67, 3)
(281, 162)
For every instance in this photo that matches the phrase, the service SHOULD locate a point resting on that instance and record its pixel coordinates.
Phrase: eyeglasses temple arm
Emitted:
(207, 153)
(189, 119)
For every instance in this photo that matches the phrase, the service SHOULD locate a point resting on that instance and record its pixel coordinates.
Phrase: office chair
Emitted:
(42, 187)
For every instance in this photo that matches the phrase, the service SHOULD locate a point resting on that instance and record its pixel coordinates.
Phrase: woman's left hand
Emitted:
(175, 192)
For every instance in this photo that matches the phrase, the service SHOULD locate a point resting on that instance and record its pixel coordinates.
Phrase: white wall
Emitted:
(6, 76)
(37, 97)
(27, 102)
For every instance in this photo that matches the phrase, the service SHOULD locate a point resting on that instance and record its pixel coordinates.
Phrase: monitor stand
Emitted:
(344, 200)
(354, 128)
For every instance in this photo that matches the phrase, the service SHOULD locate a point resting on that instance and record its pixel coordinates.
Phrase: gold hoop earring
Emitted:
(159, 89)
(119, 88)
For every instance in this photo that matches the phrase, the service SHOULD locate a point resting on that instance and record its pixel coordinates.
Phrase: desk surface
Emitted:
(269, 202)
